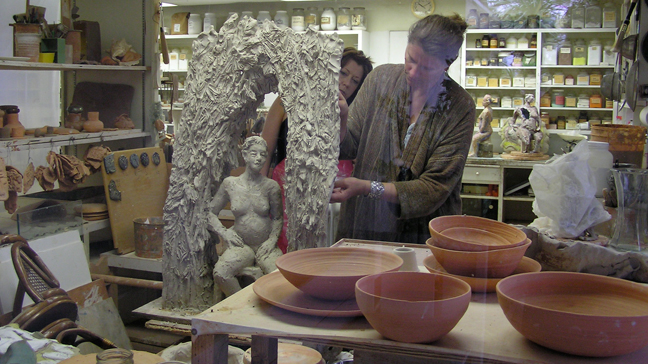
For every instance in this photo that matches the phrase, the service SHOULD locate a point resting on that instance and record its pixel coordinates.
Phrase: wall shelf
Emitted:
(37, 66)
(72, 139)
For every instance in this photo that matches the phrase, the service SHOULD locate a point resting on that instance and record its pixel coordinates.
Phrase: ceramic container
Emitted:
(331, 273)
(438, 225)
(577, 313)
(409, 259)
(482, 284)
(17, 129)
(496, 263)
(412, 307)
(93, 124)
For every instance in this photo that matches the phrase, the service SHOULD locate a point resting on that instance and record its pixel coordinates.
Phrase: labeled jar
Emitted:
(545, 100)
(571, 124)
(596, 101)
(518, 101)
(580, 53)
(593, 16)
(485, 41)
(546, 79)
(609, 16)
(472, 19)
(530, 81)
(494, 22)
(583, 79)
(505, 80)
(518, 79)
(281, 19)
(577, 16)
(297, 21)
(560, 121)
(609, 56)
(328, 20)
(344, 19)
(565, 54)
(506, 101)
(478, 43)
(558, 98)
(570, 100)
(544, 117)
(583, 101)
(483, 20)
(195, 24)
(569, 80)
(263, 16)
(183, 59)
(482, 80)
(511, 42)
(471, 80)
(523, 42)
(594, 52)
(209, 21)
(549, 54)
(558, 78)
(358, 19)
(501, 43)
(493, 81)
(493, 41)
(595, 78)
(311, 18)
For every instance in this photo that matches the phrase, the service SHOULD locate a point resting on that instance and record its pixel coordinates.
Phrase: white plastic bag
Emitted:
(564, 191)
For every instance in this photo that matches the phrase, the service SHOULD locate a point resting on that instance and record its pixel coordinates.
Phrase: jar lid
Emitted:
(359, 8)
(210, 14)
(298, 9)
(281, 11)
(194, 15)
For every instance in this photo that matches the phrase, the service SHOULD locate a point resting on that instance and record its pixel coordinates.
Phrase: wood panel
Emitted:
(143, 192)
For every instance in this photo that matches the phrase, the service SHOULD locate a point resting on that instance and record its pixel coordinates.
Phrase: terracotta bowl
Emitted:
(412, 307)
(577, 313)
(331, 273)
(482, 284)
(508, 236)
(498, 263)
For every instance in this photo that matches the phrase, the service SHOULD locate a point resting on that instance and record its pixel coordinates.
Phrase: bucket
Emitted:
(626, 141)
(148, 236)
(27, 45)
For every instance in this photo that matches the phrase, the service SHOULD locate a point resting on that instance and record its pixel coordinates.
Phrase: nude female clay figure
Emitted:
(485, 129)
(258, 217)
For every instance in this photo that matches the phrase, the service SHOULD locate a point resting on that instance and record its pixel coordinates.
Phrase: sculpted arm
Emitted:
(213, 222)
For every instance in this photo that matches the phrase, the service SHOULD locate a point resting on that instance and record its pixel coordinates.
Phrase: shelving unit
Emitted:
(542, 34)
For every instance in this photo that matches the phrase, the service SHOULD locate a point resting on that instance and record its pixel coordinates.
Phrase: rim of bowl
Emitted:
(491, 251)
(466, 286)
(512, 229)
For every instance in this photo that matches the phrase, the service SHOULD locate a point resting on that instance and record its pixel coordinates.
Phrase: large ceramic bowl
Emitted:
(412, 307)
(331, 273)
(472, 233)
(498, 263)
(482, 284)
(577, 313)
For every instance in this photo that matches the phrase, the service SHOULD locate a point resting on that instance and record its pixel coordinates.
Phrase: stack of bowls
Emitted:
(469, 246)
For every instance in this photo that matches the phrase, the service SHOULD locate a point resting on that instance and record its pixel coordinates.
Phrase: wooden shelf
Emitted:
(37, 66)
(479, 197)
(519, 198)
(72, 139)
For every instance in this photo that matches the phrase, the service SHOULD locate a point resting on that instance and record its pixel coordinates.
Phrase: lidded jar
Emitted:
(297, 22)
(344, 19)
(472, 19)
(580, 53)
(609, 16)
(263, 15)
(311, 18)
(328, 20)
(209, 21)
(195, 24)
(593, 16)
(359, 19)
(281, 19)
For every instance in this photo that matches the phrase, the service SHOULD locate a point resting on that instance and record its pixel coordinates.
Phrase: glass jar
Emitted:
(482, 80)
(493, 41)
(558, 78)
(533, 21)
(549, 54)
(209, 21)
(580, 53)
(183, 60)
(546, 79)
(471, 80)
(311, 18)
(593, 16)
(359, 20)
(544, 117)
(583, 101)
(263, 16)
(328, 20)
(523, 42)
(577, 16)
(609, 56)
(533, 43)
(609, 16)
(493, 80)
(485, 41)
(195, 25)
(530, 81)
(571, 123)
(297, 21)
(594, 52)
(505, 80)
(472, 19)
(344, 19)
(501, 43)
(558, 98)
(494, 22)
(518, 101)
(483, 20)
(511, 42)
(595, 78)
(545, 100)
(506, 101)
(583, 79)
(518, 79)
(565, 54)
(560, 121)
(569, 80)
(570, 100)
(249, 14)
(281, 19)
(595, 100)
(478, 43)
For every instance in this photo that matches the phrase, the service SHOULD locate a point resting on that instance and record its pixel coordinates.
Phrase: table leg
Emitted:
(209, 349)
(264, 349)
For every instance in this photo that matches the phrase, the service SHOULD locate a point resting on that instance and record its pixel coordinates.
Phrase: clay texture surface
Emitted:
(230, 72)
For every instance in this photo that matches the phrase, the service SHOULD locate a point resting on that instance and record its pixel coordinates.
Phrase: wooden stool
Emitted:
(291, 354)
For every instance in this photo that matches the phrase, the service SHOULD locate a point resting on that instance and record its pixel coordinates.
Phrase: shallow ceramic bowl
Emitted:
(508, 235)
(412, 307)
(498, 263)
(577, 313)
(482, 284)
(331, 273)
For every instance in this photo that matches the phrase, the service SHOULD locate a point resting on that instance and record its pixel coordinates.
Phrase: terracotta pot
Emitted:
(74, 121)
(17, 129)
(93, 125)
(496, 263)
(482, 284)
(577, 313)
(412, 307)
(331, 273)
(509, 236)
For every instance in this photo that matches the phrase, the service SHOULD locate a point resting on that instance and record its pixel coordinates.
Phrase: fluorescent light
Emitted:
(167, 5)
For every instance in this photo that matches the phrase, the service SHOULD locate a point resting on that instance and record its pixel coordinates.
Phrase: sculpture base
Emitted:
(520, 156)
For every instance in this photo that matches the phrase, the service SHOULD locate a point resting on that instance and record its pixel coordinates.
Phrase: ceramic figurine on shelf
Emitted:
(251, 244)
(481, 145)
(525, 130)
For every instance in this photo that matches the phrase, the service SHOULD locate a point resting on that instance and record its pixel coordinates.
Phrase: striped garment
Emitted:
(435, 154)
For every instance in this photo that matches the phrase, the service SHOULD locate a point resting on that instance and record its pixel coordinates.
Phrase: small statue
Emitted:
(525, 128)
(258, 218)
(484, 130)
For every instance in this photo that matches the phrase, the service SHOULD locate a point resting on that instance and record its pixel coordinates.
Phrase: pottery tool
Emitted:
(624, 27)
(163, 43)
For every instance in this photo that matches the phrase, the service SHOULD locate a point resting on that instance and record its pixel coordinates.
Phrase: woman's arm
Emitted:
(270, 133)
(213, 222)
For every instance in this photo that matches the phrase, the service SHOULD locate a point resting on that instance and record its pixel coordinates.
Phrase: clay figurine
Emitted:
(525, 129)
(258, 217)
(480, 144)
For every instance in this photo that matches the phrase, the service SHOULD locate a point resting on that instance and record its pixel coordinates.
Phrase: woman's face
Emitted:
(255, 157)
(423, 71)
(350, 77)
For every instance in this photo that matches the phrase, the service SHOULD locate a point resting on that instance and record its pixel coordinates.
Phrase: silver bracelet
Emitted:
(376, 191)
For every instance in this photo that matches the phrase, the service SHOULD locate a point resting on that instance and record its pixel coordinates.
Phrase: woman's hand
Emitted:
(346, 188)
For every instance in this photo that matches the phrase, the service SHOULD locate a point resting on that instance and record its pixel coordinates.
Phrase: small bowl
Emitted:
(475, 236)
(510, 235)
(331, 273)
(482, 284)
(498, 263)
(412, 307)
(577, 313)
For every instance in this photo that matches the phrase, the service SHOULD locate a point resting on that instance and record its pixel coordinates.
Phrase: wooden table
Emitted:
(483, 335)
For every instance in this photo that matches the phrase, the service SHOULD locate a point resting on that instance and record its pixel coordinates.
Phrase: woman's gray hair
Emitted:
(439, 36)
(253, 140)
